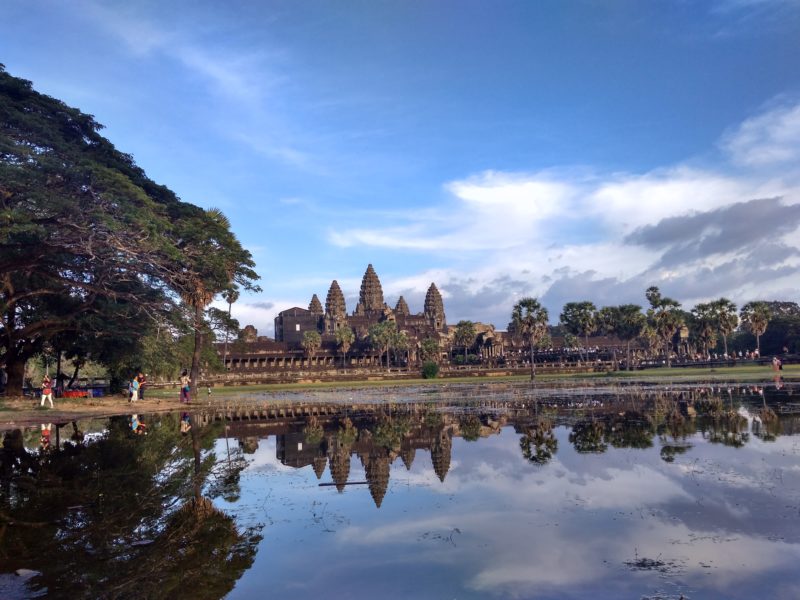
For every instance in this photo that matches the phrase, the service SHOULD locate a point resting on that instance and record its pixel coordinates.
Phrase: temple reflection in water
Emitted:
(628, 468)
(378, 435)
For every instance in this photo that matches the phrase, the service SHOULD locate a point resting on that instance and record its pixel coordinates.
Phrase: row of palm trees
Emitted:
(658, 325)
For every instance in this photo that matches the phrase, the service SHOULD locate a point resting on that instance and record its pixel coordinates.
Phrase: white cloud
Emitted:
(772, 137)
(521, 233)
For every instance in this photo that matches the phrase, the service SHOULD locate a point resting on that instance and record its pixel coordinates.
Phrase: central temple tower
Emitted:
(370, 299)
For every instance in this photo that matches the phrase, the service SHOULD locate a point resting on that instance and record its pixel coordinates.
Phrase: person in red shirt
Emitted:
(47, 391)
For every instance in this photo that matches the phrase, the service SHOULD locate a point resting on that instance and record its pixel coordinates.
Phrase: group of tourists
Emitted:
(136, 387)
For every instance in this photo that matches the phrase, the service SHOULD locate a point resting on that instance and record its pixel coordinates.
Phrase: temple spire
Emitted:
(315, 306)
(371, 296)
(434, 307)
(402, 307)
(334, 303)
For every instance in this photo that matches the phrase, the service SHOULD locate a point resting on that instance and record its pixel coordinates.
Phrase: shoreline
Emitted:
(26, 412)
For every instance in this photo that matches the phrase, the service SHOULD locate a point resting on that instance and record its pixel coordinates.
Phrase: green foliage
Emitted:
(429, 350)
(430, 370)
(529, 321)
(381, 335)
(755, 317)
(311, 342)
(579, 318)
(470, 426)
(464, 335)
(91, 250)
(664, 318)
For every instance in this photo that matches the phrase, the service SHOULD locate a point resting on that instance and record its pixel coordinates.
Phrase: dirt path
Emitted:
(25, 412)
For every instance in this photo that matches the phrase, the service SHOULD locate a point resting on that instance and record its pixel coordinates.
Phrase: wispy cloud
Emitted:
(770, 138)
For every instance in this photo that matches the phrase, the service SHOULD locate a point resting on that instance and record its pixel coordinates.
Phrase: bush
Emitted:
(430, 370)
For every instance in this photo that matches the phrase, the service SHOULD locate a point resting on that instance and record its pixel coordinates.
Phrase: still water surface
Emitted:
(605, 493)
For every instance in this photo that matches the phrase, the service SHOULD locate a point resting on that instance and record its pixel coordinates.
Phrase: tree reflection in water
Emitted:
(539, 443)
(122, 516)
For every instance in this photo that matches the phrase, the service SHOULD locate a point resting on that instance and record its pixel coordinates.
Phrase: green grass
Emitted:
(739, 373)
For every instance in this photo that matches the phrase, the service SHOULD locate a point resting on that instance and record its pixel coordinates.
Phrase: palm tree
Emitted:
(628, 326)
(580, 318)
(665, 318)
(230, 295)
(727, 319)
(465, 336)
(529, 320)
(703, 326)
(311, 343)
(755, 317)
(380, 336)
(344, 339)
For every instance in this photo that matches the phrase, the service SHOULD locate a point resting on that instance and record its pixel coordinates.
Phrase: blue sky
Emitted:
(568, 150)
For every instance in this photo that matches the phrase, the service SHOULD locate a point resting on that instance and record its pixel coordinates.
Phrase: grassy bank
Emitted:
(754, 373)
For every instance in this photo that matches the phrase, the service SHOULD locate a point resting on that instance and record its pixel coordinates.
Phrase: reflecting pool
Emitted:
(458, 492)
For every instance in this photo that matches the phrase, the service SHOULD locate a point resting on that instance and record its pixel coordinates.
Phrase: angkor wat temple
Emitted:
(286, 350)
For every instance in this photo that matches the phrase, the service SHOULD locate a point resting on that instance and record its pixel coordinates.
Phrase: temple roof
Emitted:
(340, 467)
(320, 462)
(334, 303)
(315, 306)
(402, 307)
(433, 302)
(371, 296)
(440, 454)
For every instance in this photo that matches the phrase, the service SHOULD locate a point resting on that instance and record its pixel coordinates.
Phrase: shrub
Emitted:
(430, 370)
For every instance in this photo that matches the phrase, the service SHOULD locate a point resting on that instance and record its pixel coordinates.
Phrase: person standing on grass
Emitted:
(47, 391)
(185, 391)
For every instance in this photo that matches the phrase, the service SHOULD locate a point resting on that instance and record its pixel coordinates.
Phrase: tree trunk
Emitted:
(225, 350)
(15, 369)
(758, 344)
(667, 352)
(198, 344)
(74, 373)
(58, 373)
(628, 355)
(725, 344)
(533, 361)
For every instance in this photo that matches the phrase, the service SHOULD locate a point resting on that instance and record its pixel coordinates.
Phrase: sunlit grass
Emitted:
(738, 373)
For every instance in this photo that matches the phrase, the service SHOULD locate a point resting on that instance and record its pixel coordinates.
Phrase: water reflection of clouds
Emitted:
(584, 524)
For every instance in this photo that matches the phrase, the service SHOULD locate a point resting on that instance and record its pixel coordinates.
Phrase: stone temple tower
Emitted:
(335, 308)
(434, 308)
(315, 306)
(371, 297)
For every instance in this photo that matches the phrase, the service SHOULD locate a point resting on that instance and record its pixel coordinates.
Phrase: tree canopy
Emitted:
(88, 242)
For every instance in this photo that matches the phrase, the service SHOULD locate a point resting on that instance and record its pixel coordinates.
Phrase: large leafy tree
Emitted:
(87, 240)
(755, 317)
(211, 261)
(580, 318)
(529, 321)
